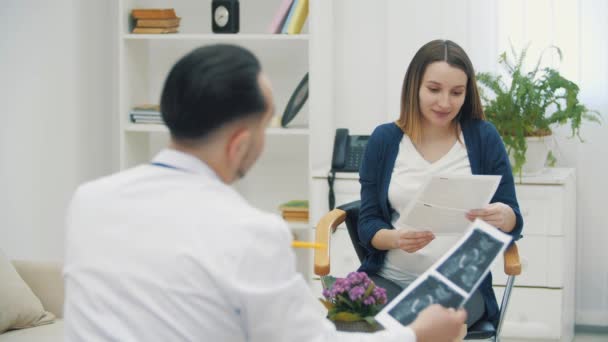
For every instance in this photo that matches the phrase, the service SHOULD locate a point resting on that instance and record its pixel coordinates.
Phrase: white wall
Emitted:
(370, 67)
(592, 167)
(56, 95)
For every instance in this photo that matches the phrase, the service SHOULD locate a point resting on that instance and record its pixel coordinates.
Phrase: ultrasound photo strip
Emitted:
(466, 266)
(452, 279)
(431, 290)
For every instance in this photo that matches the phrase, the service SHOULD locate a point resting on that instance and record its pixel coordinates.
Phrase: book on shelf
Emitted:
(153, 13)
(164, 23)
(295, 205)
(155, 30)
(147, 107)
(294, 210)
(154, 21)
(146, 113)
(280, 16)
(295, 213)
(298, 18)
(303, 218)
(147, 121)
(298, 12)
(292, 9)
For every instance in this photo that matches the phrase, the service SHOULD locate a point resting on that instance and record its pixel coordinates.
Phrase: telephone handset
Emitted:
(348, 151)
(347, 157)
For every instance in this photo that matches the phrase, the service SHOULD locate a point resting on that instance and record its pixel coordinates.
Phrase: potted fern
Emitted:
(526, 107)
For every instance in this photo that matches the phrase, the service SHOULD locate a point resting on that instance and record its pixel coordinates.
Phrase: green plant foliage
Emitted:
(519, 107)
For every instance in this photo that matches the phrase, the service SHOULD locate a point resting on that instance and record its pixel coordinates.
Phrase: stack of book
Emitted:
(146, 114)
(155, 20)
(290, 17)
(295, 210)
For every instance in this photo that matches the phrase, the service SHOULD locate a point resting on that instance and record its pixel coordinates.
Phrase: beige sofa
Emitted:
(46, 281)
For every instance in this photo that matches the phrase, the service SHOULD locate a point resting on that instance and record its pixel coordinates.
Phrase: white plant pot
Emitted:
(536, 154)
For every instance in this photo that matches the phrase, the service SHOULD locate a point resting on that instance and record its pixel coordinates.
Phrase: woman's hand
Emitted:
(412, 241)
(497, 214)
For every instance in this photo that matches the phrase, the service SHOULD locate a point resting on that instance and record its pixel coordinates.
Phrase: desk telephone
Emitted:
(347, 157)
(348, 151)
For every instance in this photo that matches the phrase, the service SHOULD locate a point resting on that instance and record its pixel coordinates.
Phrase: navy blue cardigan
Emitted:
(487, 156)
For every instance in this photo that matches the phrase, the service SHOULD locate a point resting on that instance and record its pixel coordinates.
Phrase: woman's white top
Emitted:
(409, 173)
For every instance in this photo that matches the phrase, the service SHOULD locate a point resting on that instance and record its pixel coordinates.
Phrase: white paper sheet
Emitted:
(452, 279)
(442, 201)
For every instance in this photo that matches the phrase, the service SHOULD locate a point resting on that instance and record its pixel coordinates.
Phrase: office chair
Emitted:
(349, 213)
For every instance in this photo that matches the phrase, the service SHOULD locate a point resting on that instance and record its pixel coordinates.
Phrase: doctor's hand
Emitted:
(412, 241)
(497, 214)
(438, 324)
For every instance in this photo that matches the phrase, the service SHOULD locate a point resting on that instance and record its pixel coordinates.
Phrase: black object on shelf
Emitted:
(296, 101)
(225, 16)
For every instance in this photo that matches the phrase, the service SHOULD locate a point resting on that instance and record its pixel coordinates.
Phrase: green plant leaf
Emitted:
(327, 304)
(531, 102)
(551, 159)
(328, 281)
(345, 301)
(370, 320)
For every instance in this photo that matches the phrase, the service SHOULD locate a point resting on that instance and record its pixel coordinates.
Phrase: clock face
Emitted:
(221, 16)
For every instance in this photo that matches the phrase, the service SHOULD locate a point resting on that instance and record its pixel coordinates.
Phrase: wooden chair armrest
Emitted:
(512, 263)
(326, 226)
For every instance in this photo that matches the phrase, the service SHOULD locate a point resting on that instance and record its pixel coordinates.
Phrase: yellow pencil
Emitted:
(305, 244)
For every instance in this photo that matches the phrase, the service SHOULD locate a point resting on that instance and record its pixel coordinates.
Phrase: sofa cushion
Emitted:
(19, 306)
(45, 333)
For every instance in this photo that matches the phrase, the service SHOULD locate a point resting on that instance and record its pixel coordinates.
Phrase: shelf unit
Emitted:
(215, 37)
(284, 170)
(158, 128)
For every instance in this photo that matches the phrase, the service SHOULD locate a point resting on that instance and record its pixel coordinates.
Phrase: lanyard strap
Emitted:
(165, 165)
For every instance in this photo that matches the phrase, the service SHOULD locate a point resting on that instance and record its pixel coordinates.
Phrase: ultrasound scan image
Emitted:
(468, 262)
(430, 291)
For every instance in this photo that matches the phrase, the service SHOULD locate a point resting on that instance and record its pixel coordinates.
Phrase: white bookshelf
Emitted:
(215, 37)
(284, 170)
(158, 128)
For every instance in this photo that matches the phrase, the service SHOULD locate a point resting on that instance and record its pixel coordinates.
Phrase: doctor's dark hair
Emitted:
(436, 51)
(209, 87)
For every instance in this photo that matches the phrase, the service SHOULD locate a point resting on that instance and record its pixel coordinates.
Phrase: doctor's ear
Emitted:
(238, 145)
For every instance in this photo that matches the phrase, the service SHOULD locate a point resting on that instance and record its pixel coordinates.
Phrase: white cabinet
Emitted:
(542, 301)
(283, 171)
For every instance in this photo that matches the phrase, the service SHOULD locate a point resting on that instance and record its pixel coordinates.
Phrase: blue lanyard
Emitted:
(165, 165)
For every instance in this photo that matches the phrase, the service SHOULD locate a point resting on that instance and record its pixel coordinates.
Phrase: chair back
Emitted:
(352, 223)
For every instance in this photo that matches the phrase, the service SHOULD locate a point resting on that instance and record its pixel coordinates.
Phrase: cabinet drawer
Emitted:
(542, 208)
(542, 259)
(535, 314)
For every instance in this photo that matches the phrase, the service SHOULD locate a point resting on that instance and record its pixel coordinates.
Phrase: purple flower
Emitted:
(379, 294)
(369, 300)
(357, 278)
(356, 292)
(327, 293)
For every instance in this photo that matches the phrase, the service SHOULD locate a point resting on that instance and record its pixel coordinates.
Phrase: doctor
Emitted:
(169, 251)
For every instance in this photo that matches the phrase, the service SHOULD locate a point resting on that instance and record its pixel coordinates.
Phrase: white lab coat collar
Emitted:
(184, 161)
